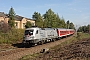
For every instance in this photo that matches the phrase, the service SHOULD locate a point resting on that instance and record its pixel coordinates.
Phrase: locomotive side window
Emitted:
(37, 32)
(30, 32)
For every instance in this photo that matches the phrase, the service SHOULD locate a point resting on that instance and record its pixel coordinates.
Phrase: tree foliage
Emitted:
(28, 24)
(62, 23)
(71, 26)
(67, 24)
(58, 21)
(50, 19)
(85, 29)
(53, 20)
(11, 16)
(38, 19)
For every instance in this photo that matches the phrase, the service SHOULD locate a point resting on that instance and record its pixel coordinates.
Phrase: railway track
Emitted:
(17, 53)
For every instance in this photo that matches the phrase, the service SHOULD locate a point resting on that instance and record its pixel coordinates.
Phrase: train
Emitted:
(36, 35)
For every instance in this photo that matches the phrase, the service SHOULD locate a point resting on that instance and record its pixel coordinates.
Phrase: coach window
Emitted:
(37, 32)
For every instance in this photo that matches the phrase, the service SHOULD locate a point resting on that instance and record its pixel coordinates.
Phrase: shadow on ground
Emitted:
(21, 45)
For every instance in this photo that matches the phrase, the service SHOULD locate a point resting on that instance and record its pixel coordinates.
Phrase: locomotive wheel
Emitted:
(53, 40)
(41, 42)
(34, 44)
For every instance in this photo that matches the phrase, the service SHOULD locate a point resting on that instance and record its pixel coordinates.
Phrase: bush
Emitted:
(4, 27)
(12, 36)
(78, 36)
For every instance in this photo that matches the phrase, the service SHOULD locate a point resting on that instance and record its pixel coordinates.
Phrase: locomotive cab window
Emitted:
(29, 32)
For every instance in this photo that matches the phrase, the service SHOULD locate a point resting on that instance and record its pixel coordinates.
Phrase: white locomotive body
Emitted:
(39, 35)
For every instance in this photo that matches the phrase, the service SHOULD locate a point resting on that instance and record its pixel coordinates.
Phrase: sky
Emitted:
(76, 11)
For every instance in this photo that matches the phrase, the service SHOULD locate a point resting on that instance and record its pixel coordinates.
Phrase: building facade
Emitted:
(20, 21)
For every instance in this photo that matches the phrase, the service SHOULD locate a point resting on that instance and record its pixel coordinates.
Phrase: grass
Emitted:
(29, 57)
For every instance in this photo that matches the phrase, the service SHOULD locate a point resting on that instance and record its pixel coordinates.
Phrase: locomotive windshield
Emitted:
(28, 32)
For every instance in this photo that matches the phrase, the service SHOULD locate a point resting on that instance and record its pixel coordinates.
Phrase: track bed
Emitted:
(17, 53)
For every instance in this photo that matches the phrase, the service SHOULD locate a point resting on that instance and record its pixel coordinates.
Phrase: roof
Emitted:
(17, 17)
(2, 14)
(30, 19)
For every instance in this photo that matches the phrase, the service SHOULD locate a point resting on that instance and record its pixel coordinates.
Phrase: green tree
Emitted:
(71, 26)
(11, 16)
(88, 28)
(62, 23)
(38, 19)
(50, 19)
(80, 29)
(28, 24)
(83, 29)
(67, 24)
(58, 21)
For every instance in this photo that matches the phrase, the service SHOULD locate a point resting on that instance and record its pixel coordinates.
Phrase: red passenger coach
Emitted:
(72, 31)
(68, 32)
(64, 32)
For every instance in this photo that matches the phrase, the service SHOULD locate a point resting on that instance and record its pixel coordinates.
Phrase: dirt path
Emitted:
(15, 54)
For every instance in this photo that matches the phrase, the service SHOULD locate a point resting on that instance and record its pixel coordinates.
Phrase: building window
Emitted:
(24, 25)
(16, 25)
(32, 24)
